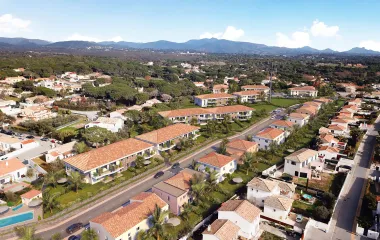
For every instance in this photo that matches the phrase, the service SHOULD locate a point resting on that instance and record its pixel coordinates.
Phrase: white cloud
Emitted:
(11, 24)
(79, 37)
(370, 45)
(231, 33)
(320, 29)
(296, 40)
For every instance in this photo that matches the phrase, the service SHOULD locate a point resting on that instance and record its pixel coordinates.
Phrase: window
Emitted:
(257, 190)
(137, 229)
(274, 210)
(293, 163)
(224, 168)
(262, 200)
(168, 198)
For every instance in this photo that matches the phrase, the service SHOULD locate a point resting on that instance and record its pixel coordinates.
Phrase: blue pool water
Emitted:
(16, 219)
(17, 207)
(307, 196)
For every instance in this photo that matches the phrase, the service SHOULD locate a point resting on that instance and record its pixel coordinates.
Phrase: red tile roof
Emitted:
(263, 87)
(243, 208)
(10, 165)
(270, 133)
(283, 123)
(305, 88)
(241, 144)
(31, 194)
(216, 159)
(215, 96)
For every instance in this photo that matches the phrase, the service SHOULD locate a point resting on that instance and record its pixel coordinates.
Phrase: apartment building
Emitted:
(306, 91)
(214, 99)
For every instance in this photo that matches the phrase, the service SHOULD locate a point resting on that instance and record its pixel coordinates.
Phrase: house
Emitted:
(269, 136)
(165, 138)
(6, 103)
(126, 222)
(313, 104)
(36, 100)
(201, 115)
(236, 148)
(33, 194)
(221, 230)
(200, 84)
(348, 87)
(13, 80)
(8, 143)
(219, 163)
(220, 88)
(175, 191)
(351, 108)
(61, 152)
(119, 114)
(337, 130)
(260, 88)
(111, 124)
(277, 207)
(284, 125)
(29, 144)
(328, 139)
(299, 118)
(239, 112)
(36, 113)
(100, 163)
(326, 152)
(297, 163)
(250, 96)
(306, 91)
(259, 189)
(244, 214)
(357, 102)
(308, 110)
(11, 170)
(340, 121)
(214, 99)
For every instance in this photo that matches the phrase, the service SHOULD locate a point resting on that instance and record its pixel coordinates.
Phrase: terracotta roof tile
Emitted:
(100, 156)
(305, 88)
(336, 127)
(184, 112)
(167, 133)
(120, 221)
(223, 229)
(301, 155)
(241, 144)
(329, 149)
(215, 95)
(262, 87)
(283, 123)
(230, 109)
(298, 115)
(10, 165)
(262, 184)
(243, 208)
(216, 159)
(278, 202)
(270, 133)
(328, 138)
(31, 194)
(248, 93)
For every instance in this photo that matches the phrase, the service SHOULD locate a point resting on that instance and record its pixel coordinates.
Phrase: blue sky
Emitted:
(336, 24)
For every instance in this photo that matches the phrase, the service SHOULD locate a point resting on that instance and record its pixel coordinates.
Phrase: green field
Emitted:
(286, 102)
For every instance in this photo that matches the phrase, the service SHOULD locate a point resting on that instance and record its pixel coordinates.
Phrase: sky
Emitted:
(336, 24)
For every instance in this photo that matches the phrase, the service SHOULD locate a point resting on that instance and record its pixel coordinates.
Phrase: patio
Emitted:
(14, 187)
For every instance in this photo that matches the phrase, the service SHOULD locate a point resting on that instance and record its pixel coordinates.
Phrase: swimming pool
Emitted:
(17, 207)
(4, 222)
(307, 196)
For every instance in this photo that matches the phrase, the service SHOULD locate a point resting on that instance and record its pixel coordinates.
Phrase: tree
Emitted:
(98, 136)
(157, 220)
(52, 177)
(75, 179)
(89, 234)
(49, 201)
(226, 123)
(56, 236)
(321, 213)
(143, 235)
(65, 135)
(30, 173)
(223, 146)
(26, 233)
(81, 147)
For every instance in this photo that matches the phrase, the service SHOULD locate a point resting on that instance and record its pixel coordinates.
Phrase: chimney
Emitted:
(209, 228)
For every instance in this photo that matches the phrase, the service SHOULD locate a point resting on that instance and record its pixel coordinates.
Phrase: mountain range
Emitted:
(211, 45)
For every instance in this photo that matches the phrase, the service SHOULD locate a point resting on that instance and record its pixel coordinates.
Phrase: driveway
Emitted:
(116, 201)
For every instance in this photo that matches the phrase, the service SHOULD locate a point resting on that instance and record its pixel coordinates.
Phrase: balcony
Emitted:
(166, 146)
(149, 154)
(105, 172)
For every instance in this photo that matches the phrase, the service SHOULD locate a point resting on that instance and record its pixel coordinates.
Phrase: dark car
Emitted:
(159, 174)
(74, 227)
(45, 139)
(175, 165)
(73, 237)
(30, 137)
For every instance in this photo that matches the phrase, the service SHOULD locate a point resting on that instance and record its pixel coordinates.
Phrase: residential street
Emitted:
(344, 218)
(118, 200)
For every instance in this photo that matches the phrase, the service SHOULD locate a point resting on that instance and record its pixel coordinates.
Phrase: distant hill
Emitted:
(211, 45)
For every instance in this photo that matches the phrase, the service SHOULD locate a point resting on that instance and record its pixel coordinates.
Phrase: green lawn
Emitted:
(269, 236)
(265, 106)
(286, 102)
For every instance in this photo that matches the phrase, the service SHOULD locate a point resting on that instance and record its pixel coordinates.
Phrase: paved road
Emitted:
(116, 201)
(343, 223)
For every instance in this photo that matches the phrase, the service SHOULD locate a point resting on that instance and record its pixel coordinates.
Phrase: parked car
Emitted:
(159, 174)
(45, 139)
(73, 237)
(52, 141)
(30, 137)
(74, 227)
(175, 165)
(299, 218)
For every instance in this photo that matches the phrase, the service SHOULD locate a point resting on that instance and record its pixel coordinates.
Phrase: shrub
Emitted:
(321, 213)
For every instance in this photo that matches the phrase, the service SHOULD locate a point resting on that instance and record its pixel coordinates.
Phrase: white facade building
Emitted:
(111, 124)
(297, 163)
(220, 163)
(268, 136)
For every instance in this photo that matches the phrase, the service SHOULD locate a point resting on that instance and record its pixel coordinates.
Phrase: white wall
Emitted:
(247, 229)
(299, 122)
(275, 213)
(264, 143)
(226, 169)
(257, 197)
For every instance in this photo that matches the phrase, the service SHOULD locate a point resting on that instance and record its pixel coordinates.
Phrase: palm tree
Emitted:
(50, 201)
(262, 96)
(212, 180)
(143, 235)
(223, 145)
(26, 233)
(75, 179)
(157, 220)
(89, 234)
(226, 123)
(51, 178)
(198, 189)
(248, 160)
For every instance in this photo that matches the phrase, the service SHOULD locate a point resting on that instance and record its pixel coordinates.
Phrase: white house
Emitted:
(268, 136)
(111, 124)
(338, 130)
(220, 163)
(126, 222)
(119, 114)
(259, 189)
(29, 144)
(220, 88)
(248, 96)
(277, 207)
(244, 214)
(221, 230)
(326, 152)
(7, 142)
(11, 170)
(284, 125)
(261, 88)
(339, 121)
(214, 99)
(61, 152)
(299, 118)
(297, 163)
(33, 194)
(307, 91)
(357, 102)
